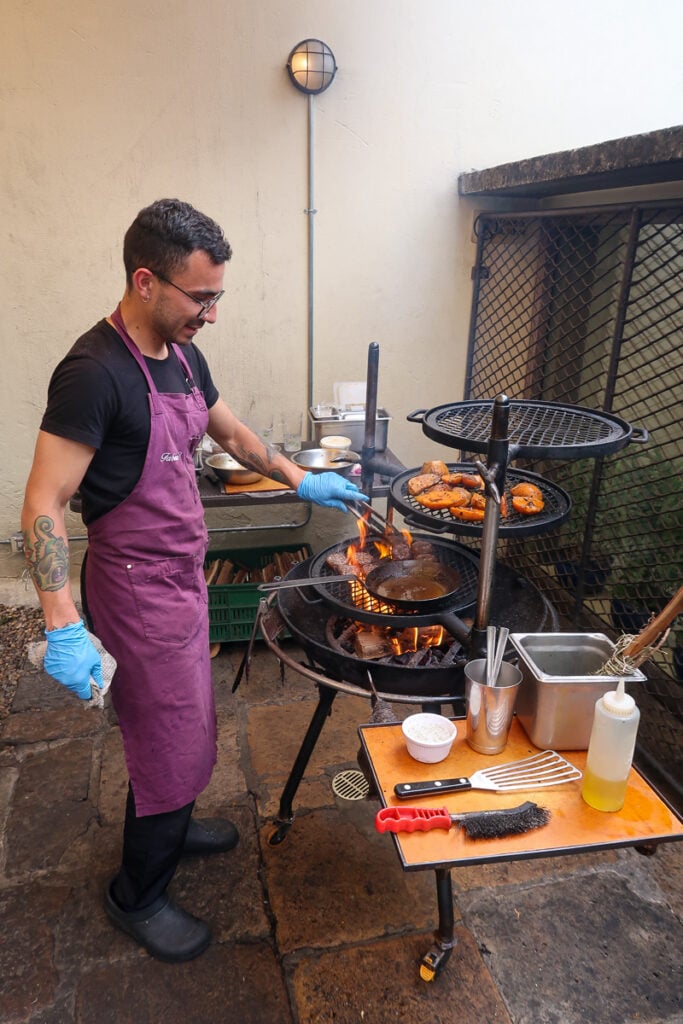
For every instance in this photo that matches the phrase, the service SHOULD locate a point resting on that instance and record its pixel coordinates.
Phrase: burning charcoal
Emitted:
(369, 646)
(451, 654)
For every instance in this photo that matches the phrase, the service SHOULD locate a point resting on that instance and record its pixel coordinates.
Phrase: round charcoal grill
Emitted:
(545, 430)
(557, 505)
(516, 603)
(339, 597)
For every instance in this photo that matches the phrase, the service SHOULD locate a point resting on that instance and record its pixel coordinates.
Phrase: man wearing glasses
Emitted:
(127, 407)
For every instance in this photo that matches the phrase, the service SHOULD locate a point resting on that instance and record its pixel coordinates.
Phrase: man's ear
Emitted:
(142, 283)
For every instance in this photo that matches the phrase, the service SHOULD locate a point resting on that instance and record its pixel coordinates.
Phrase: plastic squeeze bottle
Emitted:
(610, 750)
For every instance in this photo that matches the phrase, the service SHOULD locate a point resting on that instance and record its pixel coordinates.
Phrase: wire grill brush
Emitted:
(496, 824)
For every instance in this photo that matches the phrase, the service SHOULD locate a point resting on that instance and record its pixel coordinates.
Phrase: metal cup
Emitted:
(490, 708)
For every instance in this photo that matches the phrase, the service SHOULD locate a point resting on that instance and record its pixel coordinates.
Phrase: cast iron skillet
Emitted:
(420, 585)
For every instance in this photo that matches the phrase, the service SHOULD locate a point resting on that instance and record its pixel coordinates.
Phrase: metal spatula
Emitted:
(538, 772)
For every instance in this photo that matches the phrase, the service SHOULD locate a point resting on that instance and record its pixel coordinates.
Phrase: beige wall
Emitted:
(105, 107)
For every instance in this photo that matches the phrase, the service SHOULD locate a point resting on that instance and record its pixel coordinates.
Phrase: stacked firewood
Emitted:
(220, 572)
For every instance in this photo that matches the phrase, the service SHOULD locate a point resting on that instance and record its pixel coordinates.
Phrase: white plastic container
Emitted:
(610, 750)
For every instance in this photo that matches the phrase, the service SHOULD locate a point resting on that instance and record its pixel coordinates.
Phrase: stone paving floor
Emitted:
(323, 929)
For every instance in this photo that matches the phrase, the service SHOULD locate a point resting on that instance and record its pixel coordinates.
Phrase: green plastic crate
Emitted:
(232, 606)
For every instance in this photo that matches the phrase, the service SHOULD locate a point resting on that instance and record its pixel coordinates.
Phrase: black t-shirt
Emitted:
(98, 396)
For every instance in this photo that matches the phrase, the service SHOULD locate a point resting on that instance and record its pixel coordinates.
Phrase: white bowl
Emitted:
(336, 441)
(428, 737)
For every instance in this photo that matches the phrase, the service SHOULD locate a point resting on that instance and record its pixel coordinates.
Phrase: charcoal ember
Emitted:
(369, 646)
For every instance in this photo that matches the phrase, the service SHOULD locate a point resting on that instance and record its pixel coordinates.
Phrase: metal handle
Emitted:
(406, 790)
(308, 582)
(417, 416)
(434, 527)
(639, 435)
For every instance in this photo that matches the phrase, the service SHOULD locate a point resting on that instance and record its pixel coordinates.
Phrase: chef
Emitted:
(127, 407)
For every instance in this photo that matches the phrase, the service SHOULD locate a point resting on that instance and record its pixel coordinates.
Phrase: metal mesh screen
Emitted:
(586, 307)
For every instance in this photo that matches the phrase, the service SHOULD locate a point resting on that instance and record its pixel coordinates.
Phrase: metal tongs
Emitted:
(370, 514)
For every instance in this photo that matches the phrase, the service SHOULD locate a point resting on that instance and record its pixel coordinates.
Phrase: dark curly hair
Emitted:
(164, 234)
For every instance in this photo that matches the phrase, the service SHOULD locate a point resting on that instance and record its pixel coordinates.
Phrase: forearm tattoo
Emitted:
(256, 462)
(47, 555)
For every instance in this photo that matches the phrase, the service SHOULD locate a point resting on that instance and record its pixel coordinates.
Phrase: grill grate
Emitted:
(359, 604)
(585, 307)
(557, 506)
(535, 428)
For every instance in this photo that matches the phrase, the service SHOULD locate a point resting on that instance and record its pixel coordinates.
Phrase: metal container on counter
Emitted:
(557, 696)
(328, 420)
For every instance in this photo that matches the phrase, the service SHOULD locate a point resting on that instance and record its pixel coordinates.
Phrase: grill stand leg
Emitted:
(436, 958)
(285, 818)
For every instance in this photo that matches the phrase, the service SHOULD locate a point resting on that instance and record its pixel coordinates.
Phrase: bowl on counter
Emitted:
(428, 737)
(336, 441)
(319, 460)
(229, 471)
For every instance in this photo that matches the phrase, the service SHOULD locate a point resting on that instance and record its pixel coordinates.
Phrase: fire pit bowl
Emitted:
(428, 737)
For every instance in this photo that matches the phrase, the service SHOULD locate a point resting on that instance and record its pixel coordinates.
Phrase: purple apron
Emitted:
(147, 599)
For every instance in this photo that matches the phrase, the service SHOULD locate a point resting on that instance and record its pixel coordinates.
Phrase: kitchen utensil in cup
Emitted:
(490, 708)
(292, 425)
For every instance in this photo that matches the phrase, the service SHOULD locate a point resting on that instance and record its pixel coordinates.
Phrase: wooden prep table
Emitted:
(574, 827)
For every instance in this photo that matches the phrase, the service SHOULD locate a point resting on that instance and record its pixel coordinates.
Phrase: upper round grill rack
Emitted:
(536, 430)
(556, 501)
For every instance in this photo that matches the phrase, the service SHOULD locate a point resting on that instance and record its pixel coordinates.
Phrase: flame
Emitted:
(384, 550)
(415, 638)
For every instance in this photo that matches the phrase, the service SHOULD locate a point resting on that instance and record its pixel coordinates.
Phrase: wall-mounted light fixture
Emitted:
(311, 67)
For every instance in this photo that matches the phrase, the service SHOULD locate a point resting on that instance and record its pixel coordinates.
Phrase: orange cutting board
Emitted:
(264, 484)
(573, 827)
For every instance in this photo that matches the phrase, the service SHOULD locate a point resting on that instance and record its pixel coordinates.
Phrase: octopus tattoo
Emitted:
(48, 557)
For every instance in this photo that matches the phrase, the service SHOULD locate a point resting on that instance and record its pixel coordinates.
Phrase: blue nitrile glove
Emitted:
(71, 659)
(328, 489)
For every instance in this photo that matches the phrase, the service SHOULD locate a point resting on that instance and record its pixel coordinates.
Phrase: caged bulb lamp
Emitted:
(311, 66)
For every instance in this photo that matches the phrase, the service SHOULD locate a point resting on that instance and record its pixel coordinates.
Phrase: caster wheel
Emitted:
(427, 973)
(433, 963)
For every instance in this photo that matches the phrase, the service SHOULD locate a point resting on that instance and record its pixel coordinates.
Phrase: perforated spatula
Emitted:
(538, 772)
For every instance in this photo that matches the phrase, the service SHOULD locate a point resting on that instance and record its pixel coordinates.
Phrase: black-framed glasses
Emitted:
(205, 305)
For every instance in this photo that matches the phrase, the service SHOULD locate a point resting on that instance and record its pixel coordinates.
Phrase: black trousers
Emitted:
(152, 848)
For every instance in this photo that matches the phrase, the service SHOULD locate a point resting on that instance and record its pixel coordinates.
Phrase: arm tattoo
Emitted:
(48, 557)
(264, 466)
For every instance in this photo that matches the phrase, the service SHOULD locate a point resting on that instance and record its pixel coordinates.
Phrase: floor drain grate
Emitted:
(350, 785)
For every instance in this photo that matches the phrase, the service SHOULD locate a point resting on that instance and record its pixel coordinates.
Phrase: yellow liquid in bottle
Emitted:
(603, 794)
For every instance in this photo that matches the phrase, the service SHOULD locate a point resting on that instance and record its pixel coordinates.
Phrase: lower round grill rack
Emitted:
(557, 506)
